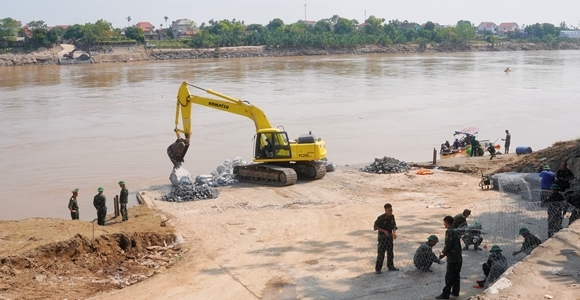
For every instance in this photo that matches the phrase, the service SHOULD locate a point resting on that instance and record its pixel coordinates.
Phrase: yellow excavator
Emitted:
(277, 160)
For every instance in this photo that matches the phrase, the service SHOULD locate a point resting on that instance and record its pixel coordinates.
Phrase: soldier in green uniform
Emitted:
(556, 206)
(386, 226)
(460, 220)
(492, 269)
(123, 199)
(73, 205)
(100, 204)
(574, 201)
(424, 256)
(530, 242)
(454, 260)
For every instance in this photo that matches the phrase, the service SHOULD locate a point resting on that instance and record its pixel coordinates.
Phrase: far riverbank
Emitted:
(126, 55)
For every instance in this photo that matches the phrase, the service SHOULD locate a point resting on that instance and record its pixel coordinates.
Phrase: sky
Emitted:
(444, 12)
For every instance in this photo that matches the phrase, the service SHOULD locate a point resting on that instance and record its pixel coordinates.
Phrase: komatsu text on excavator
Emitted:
(277, 159)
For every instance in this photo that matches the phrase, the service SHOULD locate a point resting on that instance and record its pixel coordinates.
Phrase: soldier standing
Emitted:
(73, 205)
(123, 199)
(556, 206)
(529, 244)
(387, 230)
(424, 256)
(564, 175)
(100, 204)
(454, 260)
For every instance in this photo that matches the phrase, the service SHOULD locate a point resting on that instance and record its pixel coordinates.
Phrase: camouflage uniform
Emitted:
(529, 244)
(471, 236)
(495, 266)
(100, 204)
(424, 257)
(574, 201)
(556, 206)
(123, 200)
(452, 250)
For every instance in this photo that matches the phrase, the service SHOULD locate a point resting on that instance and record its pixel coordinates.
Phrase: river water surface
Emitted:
(86, 126)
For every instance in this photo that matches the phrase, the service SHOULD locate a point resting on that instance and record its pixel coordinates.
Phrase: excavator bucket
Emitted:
(177, 151)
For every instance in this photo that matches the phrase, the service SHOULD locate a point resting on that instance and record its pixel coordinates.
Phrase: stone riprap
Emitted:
(187, 191)
(386, 165)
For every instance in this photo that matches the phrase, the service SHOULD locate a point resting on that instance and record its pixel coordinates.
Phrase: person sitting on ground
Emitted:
(491, 150)
(424, 256)
(460, 220)
(471, 236)
(574, 202)
(492, 269)
(529, 244)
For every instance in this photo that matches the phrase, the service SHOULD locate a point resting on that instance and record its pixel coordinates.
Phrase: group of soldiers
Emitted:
(558, 204)
(100, 204)
(457, 230)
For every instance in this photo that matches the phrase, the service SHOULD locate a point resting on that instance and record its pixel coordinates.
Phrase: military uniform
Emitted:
(123, 200)
(452, 250)
(385, 243)
(530, 242)
(424, 257)
(495, 266)
(556, 206)
(460, 219)
(73, 206)
(471, 236)
(564, 174)
(574, 201)
(100, 203)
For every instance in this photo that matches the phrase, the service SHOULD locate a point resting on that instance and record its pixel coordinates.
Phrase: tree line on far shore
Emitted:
(334, 32)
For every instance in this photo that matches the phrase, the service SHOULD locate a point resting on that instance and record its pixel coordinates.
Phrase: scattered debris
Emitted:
(386, 165)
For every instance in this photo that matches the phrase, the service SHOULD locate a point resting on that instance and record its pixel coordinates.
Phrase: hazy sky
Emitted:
(62, 12)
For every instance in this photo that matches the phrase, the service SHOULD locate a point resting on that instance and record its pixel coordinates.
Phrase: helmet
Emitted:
(555, 187)
(433, 238)
(495, 248)
(100, 189)
(524, 230)
(546, 167)
(567, 191)
(122, 182)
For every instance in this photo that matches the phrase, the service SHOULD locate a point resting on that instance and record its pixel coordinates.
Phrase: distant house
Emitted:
(504, 28)
(310, 23)
(181, 27)
(148, 30)
(487, 26)
(571, 34)
(437, 25)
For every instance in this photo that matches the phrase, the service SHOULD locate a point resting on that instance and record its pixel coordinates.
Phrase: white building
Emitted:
(571, 34)
(508, 27)
(487, 26)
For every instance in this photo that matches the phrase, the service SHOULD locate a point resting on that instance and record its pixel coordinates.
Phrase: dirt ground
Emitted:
(312, 240)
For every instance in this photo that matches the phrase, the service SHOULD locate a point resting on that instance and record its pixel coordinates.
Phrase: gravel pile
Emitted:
(186, 191)
(386, 165)
(223, 174)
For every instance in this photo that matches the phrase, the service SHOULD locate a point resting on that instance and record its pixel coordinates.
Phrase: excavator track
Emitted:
(309, 170)
(266, 174)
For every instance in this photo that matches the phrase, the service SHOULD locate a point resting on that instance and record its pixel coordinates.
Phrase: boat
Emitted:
(449, 150)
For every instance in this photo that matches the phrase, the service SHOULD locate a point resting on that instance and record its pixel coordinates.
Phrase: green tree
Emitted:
(465, 32)
(258, 28)
(32, 25)
(373, 25)
(166, 18)
(55, 35)
(39, 38)
(464, 22)
(492, 39)
(275, 25)
(73, 32)
(344, 26)
(429, 26)
(128, 18)
(135, 33)
(322, 26)
(8, 28)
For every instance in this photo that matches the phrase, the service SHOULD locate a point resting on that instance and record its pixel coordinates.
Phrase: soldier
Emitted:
(495, 266)
(574, 201)
(529, 244)
(424, 256)
(100, 204)
(123, 200)
(471, 236)
(454, 260)
(556, 206)
(387, 230)
(564, 175)
(73, 205)
(491, 150)
(460, 220)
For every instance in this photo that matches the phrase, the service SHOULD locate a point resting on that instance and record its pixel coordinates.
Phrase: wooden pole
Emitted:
(116, 205)
(434, 156)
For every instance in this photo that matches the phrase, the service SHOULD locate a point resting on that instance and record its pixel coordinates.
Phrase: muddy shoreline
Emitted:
(129, 55)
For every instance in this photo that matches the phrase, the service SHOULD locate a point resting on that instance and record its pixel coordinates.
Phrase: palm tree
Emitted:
(128, 20)
(166, 18)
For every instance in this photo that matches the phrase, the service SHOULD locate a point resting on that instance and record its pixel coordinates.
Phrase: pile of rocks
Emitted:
(330, 167)
(188, 191)
(386, 165)
(223, 174)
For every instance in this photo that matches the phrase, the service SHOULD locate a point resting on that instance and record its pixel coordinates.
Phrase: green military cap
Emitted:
(433, 238)
(75, 190)
(100, 189)
(546, 167)
(122, 182)
(567, 191)
(477, 224)
(495, 248)
(467, 211)
(524, 230)
(555, 187)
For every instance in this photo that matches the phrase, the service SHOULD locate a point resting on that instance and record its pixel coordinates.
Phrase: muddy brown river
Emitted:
(86, 126)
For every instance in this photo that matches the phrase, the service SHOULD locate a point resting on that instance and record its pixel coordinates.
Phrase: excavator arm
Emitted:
(185, 101)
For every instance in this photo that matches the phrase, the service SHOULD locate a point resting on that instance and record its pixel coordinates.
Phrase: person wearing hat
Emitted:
(574, 201)
(123, 200)
(73, 206)
(491, 150)
(547, 178)
(424, 256)
(492, 269)
(530, 242)
(100, 204)
(556, 206)
(460, 220)
(471, 236)
(564, 175)
(452, 250)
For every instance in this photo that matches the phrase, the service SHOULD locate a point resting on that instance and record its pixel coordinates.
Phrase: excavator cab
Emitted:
(272, 145)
